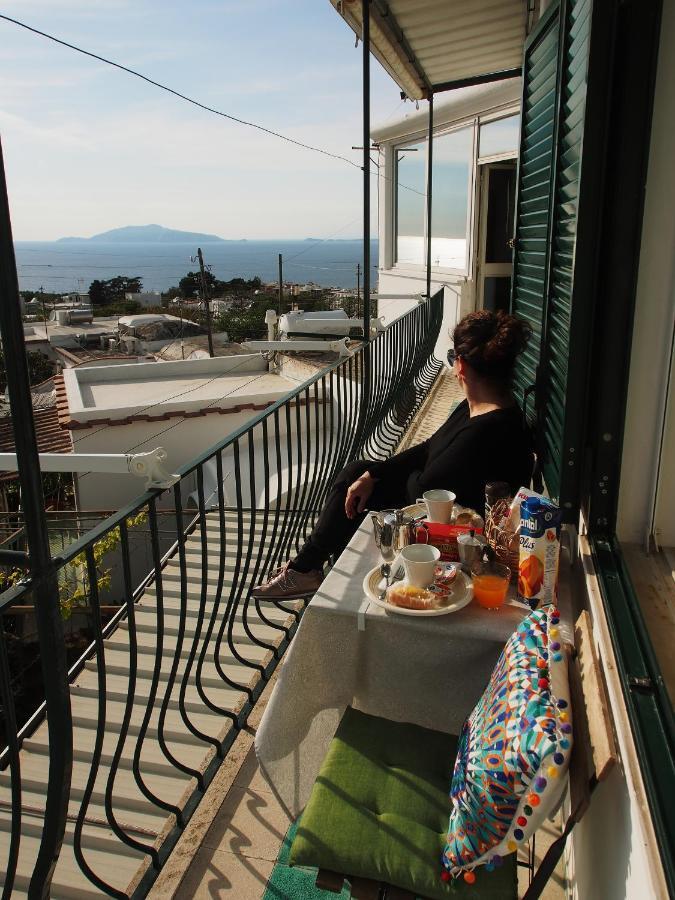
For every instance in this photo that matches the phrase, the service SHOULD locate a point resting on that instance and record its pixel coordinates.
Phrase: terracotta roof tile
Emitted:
(52, 437)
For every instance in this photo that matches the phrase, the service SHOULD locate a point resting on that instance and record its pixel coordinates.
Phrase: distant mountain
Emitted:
(147, 234)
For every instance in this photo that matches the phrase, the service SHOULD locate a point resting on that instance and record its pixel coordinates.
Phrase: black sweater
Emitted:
(463, 455)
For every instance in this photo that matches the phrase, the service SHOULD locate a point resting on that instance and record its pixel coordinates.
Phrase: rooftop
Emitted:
(119, 394)
(35, 332)
(52, 437)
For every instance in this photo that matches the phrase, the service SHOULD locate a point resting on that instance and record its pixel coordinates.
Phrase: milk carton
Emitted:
(540, 522)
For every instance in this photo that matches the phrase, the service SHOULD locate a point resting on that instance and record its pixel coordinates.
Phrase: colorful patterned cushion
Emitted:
(514, 749)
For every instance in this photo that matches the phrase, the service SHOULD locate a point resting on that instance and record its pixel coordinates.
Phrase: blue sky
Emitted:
(88, 148)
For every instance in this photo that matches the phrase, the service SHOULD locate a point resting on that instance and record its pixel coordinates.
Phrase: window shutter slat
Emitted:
(533, 218)
(558, 425)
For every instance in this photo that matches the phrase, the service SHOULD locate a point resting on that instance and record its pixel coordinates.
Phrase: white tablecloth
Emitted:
(350, 652)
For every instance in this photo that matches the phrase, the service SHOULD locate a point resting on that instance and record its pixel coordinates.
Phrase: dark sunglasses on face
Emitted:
(452, 356)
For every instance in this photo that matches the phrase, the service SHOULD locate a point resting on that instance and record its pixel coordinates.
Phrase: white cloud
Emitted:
(22, 130)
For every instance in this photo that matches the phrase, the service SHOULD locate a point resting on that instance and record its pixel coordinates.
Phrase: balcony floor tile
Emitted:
(216, 873)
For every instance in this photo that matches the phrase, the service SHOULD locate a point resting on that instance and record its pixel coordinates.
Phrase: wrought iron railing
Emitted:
(167, 682)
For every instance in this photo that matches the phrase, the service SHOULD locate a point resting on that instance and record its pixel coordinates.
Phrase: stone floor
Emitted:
(443, 396)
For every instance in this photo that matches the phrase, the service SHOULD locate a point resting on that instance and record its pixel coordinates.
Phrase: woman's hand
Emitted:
(358, 494)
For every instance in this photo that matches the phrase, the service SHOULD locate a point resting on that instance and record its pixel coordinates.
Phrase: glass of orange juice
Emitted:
(490, 583)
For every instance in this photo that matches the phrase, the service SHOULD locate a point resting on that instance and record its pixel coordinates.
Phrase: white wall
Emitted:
(458, 300)
(459, 107)
(184, 440)
(653, 327)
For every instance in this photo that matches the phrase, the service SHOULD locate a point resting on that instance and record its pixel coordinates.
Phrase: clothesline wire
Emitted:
(181, 96)
(191, 100)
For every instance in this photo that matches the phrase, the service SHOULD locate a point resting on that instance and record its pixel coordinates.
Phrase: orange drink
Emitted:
(490, 584)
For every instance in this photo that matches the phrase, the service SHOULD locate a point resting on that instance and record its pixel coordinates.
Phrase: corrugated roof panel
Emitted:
(426, 43)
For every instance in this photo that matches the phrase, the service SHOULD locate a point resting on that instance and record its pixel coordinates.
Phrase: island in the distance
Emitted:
(147, 234)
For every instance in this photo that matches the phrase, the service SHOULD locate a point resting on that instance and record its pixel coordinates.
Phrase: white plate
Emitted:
(462, 593)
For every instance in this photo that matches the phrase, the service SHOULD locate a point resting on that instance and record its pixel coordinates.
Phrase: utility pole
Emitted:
(358, 288)
(281, 284)
(207, 300)
(44, 309)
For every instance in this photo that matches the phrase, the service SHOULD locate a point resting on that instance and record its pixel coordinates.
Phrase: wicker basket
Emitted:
(504, 542)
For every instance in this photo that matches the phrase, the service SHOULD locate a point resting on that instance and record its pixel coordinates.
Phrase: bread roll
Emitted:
(409, 597)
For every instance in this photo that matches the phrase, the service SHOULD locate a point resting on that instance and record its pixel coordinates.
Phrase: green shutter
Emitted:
(533, 216)
(555, 70)
(560, 425)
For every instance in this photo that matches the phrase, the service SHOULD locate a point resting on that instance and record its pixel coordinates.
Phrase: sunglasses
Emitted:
(452, 356)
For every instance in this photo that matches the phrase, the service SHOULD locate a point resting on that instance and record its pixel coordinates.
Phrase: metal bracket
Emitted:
(300, 346)
(641, 684)
(149, 466)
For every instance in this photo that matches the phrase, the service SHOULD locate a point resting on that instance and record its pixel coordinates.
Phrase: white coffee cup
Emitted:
(419, 561)
(439, 505)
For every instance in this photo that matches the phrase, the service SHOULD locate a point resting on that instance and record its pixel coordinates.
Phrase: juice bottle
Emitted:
(539, 550)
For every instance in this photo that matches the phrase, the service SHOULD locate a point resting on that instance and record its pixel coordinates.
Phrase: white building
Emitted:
(475, 150)
(185, 407)
(145, 298)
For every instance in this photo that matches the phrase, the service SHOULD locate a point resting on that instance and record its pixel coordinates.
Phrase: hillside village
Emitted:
(112, 326)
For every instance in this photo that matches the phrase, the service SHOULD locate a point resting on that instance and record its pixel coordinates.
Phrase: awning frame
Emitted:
(382, 17)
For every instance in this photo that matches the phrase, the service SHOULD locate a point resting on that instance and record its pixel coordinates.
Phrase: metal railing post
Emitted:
(365, 7)
(430, 173)
(367, 362)
(45, 588)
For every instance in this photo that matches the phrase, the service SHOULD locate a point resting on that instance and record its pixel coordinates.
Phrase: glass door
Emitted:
(494, 260)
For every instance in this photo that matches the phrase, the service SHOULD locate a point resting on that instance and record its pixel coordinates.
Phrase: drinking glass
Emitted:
(490, 583)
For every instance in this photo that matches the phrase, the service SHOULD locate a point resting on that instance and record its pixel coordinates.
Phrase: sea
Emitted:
(64, 267)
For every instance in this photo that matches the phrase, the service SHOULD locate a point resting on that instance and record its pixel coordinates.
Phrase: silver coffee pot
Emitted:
(394, 529)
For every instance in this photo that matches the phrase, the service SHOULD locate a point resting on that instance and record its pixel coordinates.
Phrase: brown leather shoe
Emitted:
(289, 584)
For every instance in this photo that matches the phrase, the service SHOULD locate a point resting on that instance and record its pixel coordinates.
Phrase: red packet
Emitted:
(444, 537)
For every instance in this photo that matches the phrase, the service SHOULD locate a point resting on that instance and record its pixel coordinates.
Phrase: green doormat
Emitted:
(295, 883)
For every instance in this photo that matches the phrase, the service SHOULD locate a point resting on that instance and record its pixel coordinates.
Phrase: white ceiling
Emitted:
(424, 44)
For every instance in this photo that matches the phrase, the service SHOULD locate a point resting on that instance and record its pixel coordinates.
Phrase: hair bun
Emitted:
(491, 341)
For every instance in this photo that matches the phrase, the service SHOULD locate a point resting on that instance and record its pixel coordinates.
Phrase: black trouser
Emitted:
(333, 529)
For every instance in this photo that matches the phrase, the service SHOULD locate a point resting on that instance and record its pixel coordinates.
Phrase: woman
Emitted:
(485, 439)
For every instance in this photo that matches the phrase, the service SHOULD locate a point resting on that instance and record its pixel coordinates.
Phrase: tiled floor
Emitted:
(434, 411)
(653, 577)
(238, 852)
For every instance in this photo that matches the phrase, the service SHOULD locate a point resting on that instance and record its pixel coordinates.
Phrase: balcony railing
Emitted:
(167, 681)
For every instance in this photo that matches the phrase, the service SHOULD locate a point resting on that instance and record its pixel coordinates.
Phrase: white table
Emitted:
(351, 652)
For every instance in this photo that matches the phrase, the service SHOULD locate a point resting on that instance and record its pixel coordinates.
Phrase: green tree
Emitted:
(39, 369)
(191, 284)
(97, 293)
(112, 290)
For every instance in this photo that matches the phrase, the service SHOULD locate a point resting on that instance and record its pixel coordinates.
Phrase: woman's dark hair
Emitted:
(490, 341)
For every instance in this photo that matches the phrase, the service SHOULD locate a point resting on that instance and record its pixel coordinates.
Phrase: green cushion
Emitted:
(379, 809)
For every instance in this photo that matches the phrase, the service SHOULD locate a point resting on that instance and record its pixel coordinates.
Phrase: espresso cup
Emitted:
(419, 561)
(439, 505)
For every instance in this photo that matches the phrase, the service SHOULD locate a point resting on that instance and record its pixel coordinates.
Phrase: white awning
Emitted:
(434, 45)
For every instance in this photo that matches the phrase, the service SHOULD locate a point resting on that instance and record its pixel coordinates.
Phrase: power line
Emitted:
(197, 103)
(178, 94)
(313, 243)
(196, 387)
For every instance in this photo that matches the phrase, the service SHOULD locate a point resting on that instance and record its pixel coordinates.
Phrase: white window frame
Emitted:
(414, 270)
(495, 117)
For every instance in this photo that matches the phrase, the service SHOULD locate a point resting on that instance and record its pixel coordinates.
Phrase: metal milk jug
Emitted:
(393, 531)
